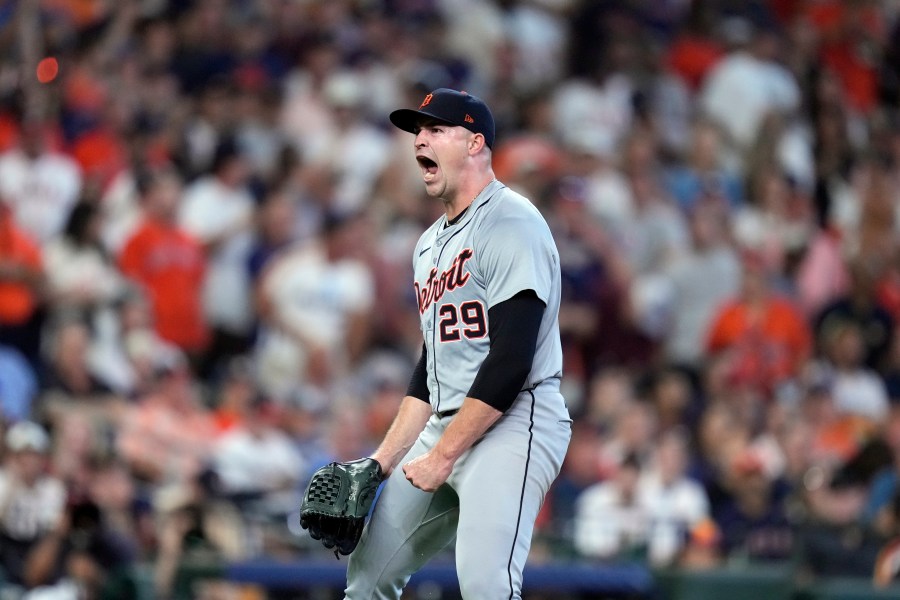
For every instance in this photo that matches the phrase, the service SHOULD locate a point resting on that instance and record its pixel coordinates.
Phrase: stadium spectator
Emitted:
(22, 283)
(673, 503)
(720, 435)
(217, 210)
(631, 431)
(315, 301)
(706, 175)
(600, 100)
(233, 395)
(776, 222)
(593, 156)
(878, 508)
(304, 417)
(860, 306)
(32, 501)
(127, 349)
(674, 399)
(168, 264)
(196, 530)
(700, 281)
(19, 384)
(581, 469)
(857, 390)
(610, 521)
(748, 83)
(695, 49)
(655, 232)
(126, 511)
(40, 184)
(760, 333)
(275, 230)
(842, 29)
(80, 275)
(587, 257)
(834, 437)
(753, 522)
(351, 151)
(80, 408)
(68, 372)
(81, 555)
(168, 435)
(258, 465)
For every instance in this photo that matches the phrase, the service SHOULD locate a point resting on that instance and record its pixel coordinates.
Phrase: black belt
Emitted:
(450, 413)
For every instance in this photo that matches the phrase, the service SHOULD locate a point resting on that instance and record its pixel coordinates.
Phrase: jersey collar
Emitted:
(483, 196)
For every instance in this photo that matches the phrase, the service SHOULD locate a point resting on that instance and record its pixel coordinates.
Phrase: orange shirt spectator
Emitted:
(767, 336)
(847, 29)
(21, 268)
(169, 264)
(691, 56)
(9, 132)
(102, 155)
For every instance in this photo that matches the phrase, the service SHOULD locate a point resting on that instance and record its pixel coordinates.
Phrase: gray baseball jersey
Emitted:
(499, 247)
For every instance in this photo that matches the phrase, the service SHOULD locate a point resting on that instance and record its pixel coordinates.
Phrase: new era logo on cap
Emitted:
(450, 106)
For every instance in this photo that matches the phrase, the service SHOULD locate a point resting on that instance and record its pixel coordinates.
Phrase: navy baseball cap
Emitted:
(454, 108)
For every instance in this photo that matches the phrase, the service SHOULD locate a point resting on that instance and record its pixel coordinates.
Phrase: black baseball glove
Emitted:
(337, 500)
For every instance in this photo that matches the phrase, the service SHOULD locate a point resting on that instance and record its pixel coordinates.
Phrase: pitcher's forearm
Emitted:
(470, 423)
(407, 425)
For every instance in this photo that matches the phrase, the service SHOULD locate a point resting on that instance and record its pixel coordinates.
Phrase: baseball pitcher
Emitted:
(483, 429)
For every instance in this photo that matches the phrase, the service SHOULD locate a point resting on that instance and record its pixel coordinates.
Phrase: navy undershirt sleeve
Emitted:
(513, 327)
(418, 383)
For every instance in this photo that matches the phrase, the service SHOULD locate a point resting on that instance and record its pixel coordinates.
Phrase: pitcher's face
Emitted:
(441, 151)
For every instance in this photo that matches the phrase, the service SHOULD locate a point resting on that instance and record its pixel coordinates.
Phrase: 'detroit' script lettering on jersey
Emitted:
(436, 285)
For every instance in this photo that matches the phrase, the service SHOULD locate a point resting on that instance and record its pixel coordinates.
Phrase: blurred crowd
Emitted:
(206, 227)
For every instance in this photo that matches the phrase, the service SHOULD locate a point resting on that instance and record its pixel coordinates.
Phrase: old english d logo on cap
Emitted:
(451, 107)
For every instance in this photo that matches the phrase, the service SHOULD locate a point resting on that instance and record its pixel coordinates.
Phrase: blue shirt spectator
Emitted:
(18, 385)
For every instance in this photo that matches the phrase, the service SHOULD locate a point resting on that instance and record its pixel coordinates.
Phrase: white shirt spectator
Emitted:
(30, 511)
(263, 461)
(353, 150)
(609, 198)
(581, 105)
(305, 116)
(80, 271)
(640, 511)
(357, 156)
(654, 235)
(606, 524)
(741, 89)
(211, 210)
(701, 281)
(673, 510)
(538, 33)
(860, 392)
(42, 190)
(316, 298)
(121, 210)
